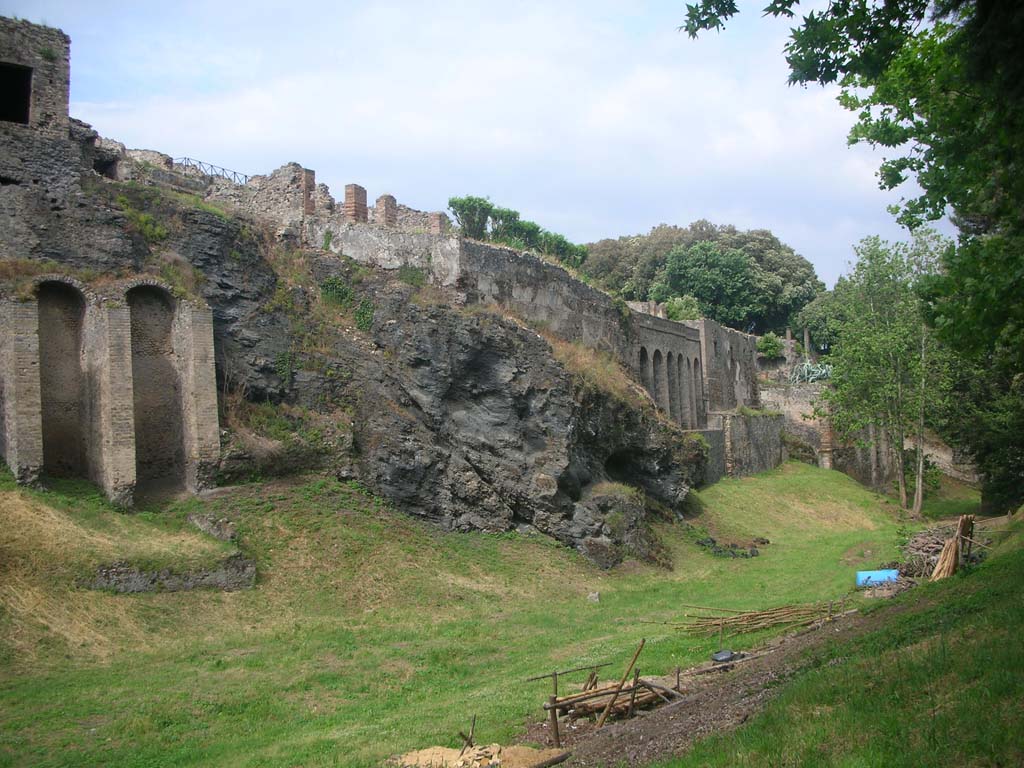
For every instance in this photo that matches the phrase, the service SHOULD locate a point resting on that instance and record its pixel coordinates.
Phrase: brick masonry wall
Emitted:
(23, 442)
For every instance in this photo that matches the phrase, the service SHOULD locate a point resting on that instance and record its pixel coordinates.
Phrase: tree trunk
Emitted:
(919, 476)
(874, 448)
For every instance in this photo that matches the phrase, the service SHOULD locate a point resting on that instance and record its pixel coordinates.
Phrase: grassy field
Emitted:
(941, 683)
(370, 633)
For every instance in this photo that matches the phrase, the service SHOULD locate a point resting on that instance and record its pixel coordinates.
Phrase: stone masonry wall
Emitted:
(46, 52)
(752, 443)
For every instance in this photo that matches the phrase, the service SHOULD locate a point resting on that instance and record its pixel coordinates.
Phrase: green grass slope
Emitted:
(369, 633)
(941, 682)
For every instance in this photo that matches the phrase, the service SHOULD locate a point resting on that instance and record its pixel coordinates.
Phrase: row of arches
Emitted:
(71, 389)
(676, 383)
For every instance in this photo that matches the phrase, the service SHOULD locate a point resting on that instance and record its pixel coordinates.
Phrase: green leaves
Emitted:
(480, 219)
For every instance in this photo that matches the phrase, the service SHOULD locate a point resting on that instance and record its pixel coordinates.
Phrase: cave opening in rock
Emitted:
(619, 467)
(61, 379)
(15, 93)
(159, 423)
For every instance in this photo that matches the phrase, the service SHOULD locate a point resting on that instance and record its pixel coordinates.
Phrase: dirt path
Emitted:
(712, 703)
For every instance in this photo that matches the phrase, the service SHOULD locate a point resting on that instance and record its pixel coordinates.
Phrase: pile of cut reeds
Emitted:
(736, 622)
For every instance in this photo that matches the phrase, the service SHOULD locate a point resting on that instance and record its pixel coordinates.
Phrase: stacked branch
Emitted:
(737, 622)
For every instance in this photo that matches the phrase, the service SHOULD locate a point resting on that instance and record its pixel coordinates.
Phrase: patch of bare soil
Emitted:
(711, 703)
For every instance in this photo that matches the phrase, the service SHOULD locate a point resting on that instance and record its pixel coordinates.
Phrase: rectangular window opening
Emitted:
(15, 93)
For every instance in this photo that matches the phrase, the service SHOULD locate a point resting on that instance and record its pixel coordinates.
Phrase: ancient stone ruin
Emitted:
(109, 371)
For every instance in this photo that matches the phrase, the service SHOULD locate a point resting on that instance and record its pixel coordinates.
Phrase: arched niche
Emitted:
(61, 308)
(156, 391)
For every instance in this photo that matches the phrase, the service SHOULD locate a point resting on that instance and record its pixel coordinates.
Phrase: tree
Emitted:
(721, 279)
(887, 371)
(636, 269)
(471, 214)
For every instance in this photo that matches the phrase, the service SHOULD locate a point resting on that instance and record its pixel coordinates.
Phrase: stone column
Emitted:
(110, 424)
(193, 346)
(439, 224)
(22, 403)
(675, 411)
(308, 190)
(386, 211)
(355, 204)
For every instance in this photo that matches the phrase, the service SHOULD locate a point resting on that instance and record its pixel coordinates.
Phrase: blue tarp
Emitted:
(873, 578)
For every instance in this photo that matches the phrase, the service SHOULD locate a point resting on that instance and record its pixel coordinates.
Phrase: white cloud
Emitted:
(592, 118)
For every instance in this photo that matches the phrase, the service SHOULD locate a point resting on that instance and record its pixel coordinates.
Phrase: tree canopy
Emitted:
(748, 280)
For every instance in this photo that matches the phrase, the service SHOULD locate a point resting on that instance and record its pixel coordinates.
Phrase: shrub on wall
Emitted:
(480, 219)
(770, 346)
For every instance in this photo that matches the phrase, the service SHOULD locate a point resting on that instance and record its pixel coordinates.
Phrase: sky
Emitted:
(595, 119)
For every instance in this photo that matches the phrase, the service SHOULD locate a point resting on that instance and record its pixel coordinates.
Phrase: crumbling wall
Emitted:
(46, 52)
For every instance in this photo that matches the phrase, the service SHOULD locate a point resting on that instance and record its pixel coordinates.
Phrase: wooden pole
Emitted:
(622, 682)
(553, 717)
(554, 682)
(678, 687)
(632, 694)
(721, 634)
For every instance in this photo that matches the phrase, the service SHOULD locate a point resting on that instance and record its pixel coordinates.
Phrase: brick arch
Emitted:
(156, 390)
(61, 306)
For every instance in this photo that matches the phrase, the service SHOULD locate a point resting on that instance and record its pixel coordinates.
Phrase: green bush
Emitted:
(770, 346)
(336, 291)
(682, 308)
(411, 275)
(328, 236)
(143, 224)
(364, 315)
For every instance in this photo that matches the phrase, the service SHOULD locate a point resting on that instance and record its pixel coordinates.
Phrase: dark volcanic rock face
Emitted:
(479, 427)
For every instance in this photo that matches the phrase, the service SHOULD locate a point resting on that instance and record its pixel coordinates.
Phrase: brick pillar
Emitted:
(439, 224)
(308, 188)
(110, 431)
(193, 342)
(387, 211)
(22, 403)
(355, 204)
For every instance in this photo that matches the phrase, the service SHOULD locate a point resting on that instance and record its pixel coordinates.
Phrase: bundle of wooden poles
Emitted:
(635, 694)
(725, 620)
(949, 559)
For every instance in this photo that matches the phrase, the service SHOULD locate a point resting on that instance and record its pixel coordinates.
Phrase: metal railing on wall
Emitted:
(208, 169)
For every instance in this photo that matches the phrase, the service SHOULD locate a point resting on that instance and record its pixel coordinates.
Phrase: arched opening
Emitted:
(700, 417)
(645, 371)
(660, 381)
(159, 432)
(673, 388)
(61, 379)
